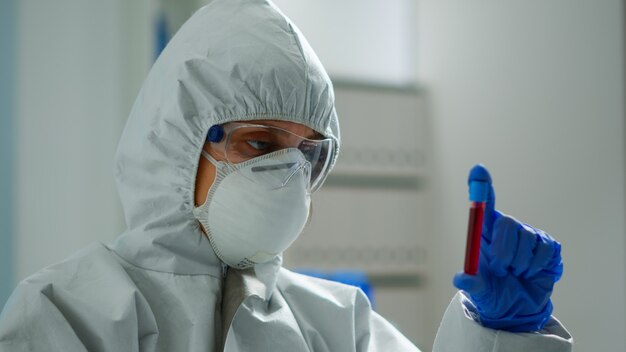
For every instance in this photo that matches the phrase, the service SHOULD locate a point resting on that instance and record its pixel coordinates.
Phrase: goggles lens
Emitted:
(242, 142)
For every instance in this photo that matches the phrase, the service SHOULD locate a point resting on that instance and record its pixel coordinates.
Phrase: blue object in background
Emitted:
(8, 35)
(161, 34)
(349, 277)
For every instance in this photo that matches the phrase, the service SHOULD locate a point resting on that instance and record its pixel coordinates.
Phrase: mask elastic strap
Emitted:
(210, 158)
(201, 210)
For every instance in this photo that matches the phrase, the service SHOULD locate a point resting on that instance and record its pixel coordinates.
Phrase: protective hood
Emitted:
(232, 60)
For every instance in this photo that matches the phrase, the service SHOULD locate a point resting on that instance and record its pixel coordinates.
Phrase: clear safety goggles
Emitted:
(240, 142)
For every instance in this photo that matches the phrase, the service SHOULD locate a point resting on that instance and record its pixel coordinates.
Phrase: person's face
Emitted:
(206, 170)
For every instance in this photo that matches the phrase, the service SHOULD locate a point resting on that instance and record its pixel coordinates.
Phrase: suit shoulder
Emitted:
(300, 286)
(88, 264)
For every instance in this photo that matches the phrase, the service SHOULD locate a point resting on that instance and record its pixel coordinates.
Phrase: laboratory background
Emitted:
(424, 90)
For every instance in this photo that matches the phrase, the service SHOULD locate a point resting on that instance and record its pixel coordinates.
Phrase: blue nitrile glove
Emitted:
(518, 268)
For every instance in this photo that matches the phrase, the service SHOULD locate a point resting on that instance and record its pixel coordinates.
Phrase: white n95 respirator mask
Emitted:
(255, 209)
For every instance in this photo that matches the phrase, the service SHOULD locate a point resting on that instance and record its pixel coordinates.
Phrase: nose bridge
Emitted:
(303, 166)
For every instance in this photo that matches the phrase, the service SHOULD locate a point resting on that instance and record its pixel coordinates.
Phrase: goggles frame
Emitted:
(220, 135)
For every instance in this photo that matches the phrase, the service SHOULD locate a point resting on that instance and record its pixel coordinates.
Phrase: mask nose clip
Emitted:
(296, 167)
(277, 170)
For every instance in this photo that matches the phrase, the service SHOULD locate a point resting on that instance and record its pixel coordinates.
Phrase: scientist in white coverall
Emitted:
(233, 129)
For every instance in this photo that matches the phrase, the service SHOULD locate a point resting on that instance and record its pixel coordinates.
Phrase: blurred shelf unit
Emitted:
(369, 215)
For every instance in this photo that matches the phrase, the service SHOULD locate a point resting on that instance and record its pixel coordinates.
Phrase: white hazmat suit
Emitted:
(160, 286)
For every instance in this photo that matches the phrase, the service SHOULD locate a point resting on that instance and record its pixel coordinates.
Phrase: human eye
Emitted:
(254, 144)
(258, 144)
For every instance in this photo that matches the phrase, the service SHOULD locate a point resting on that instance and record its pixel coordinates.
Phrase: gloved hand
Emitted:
(518, 268)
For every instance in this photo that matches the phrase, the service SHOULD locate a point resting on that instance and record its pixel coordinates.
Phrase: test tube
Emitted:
(478, 197)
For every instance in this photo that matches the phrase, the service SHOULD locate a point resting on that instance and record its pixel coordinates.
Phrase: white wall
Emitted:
(380, 36)
(535, 90)
(72, 101)
(7, 144)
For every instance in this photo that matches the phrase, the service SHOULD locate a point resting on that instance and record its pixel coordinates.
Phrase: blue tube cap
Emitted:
(479, 181)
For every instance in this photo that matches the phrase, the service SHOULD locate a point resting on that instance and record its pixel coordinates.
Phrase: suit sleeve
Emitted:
(86, 303)
(375, 334)
(30, 321)
(460, 331)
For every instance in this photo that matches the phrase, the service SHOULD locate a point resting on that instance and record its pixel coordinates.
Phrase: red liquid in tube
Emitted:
(474, 231)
